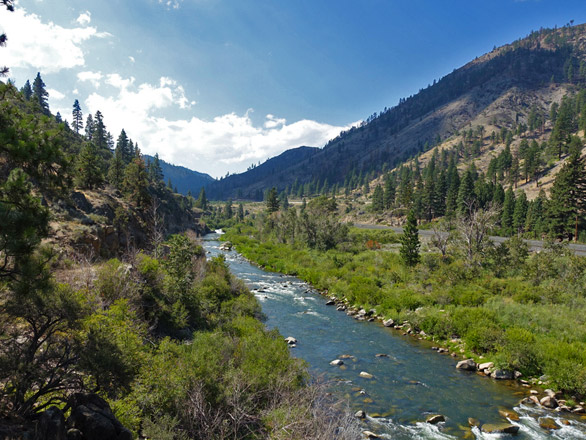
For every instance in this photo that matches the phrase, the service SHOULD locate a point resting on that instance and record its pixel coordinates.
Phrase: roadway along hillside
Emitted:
(534, 245)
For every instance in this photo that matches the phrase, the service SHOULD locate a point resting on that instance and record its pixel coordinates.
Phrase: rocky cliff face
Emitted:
(102, 223)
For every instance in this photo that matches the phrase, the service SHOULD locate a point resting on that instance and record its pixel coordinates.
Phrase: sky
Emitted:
(219, 85)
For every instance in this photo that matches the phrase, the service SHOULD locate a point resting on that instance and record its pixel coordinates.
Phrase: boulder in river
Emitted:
(290, 340)
(388, 323)
(435, 419)
(548, 423)
(472, 422)
(366, 375)
(226, 246)
(360, 414)
(500, 428)
(502, 375)
(337, 362)
(549, 402)
(485, 365)
(467, 365)
(370, 434)
(330, 302)
(509, 414)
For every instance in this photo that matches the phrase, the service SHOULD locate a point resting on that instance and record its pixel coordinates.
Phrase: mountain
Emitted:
(182, 178)
(497, 90)
(252, 183)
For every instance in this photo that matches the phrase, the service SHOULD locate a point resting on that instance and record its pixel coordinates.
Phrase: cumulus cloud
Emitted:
(229, 142)
(46, 47)
(55, 95)
(84, 18)
(94, 78)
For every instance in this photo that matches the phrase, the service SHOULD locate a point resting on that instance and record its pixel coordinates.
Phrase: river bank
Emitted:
(408, 385)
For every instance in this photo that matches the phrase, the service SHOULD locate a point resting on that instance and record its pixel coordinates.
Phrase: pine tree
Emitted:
(508, 210)
(520, 212)
(568, 197)
(378, 204)
(228, 212)
(466, 196)
(240, 213)
(136, 181)
(116, 170)
(40, 94)
(89, 127)
(26, 90)
(389, 192)
(202, 201)
(77, 117)
(89, 166)
(410, 241)
(155, 170)
(123, 145)
(100, 135)
(58, 118)
(272, 201)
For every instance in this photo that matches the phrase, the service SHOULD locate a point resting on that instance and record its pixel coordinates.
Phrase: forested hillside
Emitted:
(511, 89)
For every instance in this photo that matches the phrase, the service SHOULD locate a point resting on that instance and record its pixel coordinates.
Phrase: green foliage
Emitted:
(410, 241)
(272, 200)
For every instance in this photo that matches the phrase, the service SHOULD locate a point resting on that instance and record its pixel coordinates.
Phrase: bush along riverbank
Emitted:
(522, 313)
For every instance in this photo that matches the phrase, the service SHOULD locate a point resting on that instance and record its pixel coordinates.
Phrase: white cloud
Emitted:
(171, 3)
(46, 47)
(229, 142)
(55, 94)
(84, 18)
(131, 58)
(93, 77)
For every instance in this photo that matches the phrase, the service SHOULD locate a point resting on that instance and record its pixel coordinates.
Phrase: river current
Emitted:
(409, 382)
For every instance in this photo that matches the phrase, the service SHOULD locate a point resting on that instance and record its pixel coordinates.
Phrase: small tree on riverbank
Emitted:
(410, 241)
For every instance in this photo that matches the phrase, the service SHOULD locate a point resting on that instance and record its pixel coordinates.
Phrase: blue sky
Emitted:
(216, 85)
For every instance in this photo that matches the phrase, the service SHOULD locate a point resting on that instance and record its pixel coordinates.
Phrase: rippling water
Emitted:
(410, 383)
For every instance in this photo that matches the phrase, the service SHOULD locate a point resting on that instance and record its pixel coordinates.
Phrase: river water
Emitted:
(410, 383)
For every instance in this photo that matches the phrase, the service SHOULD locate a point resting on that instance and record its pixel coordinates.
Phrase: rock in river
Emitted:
(360, 414)
(337, 362)
(291, 340)
(549, 402)
(366, 375)
(500, 428)
(467, 364)
(388, 323)
(435, 419)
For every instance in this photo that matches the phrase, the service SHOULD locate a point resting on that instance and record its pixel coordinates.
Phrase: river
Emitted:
(409, 383)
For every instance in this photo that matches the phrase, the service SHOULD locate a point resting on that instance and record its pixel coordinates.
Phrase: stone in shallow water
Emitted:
(337, 362)
(473, 422)
(549, 402)
(360, 414)
(366, 375)
(509, 414)
(467, 365)
(370, 434)
(548, 423)
(290, 340)
(500, 428)
(436, 418)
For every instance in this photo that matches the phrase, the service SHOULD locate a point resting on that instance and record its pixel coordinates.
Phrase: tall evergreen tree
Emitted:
(508, 210)
(136, 181)
(378, 204)
(240, 213)
(40, 94)
(202, 201)
(27, 90)
(116, 170)
(89, 167)
(410, 241)
(155, 170)
(466, 194)
(567, 205)
(272, 201)
(389, 192)
(100, 136)
(77, 117)
(520, 212)
(123, 145)
(89, 127)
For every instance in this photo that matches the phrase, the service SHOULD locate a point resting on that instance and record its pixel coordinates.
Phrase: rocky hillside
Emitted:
(496, 90)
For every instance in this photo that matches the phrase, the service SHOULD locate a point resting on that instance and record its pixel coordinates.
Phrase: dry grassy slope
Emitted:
(88, 222)
(501, 112)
